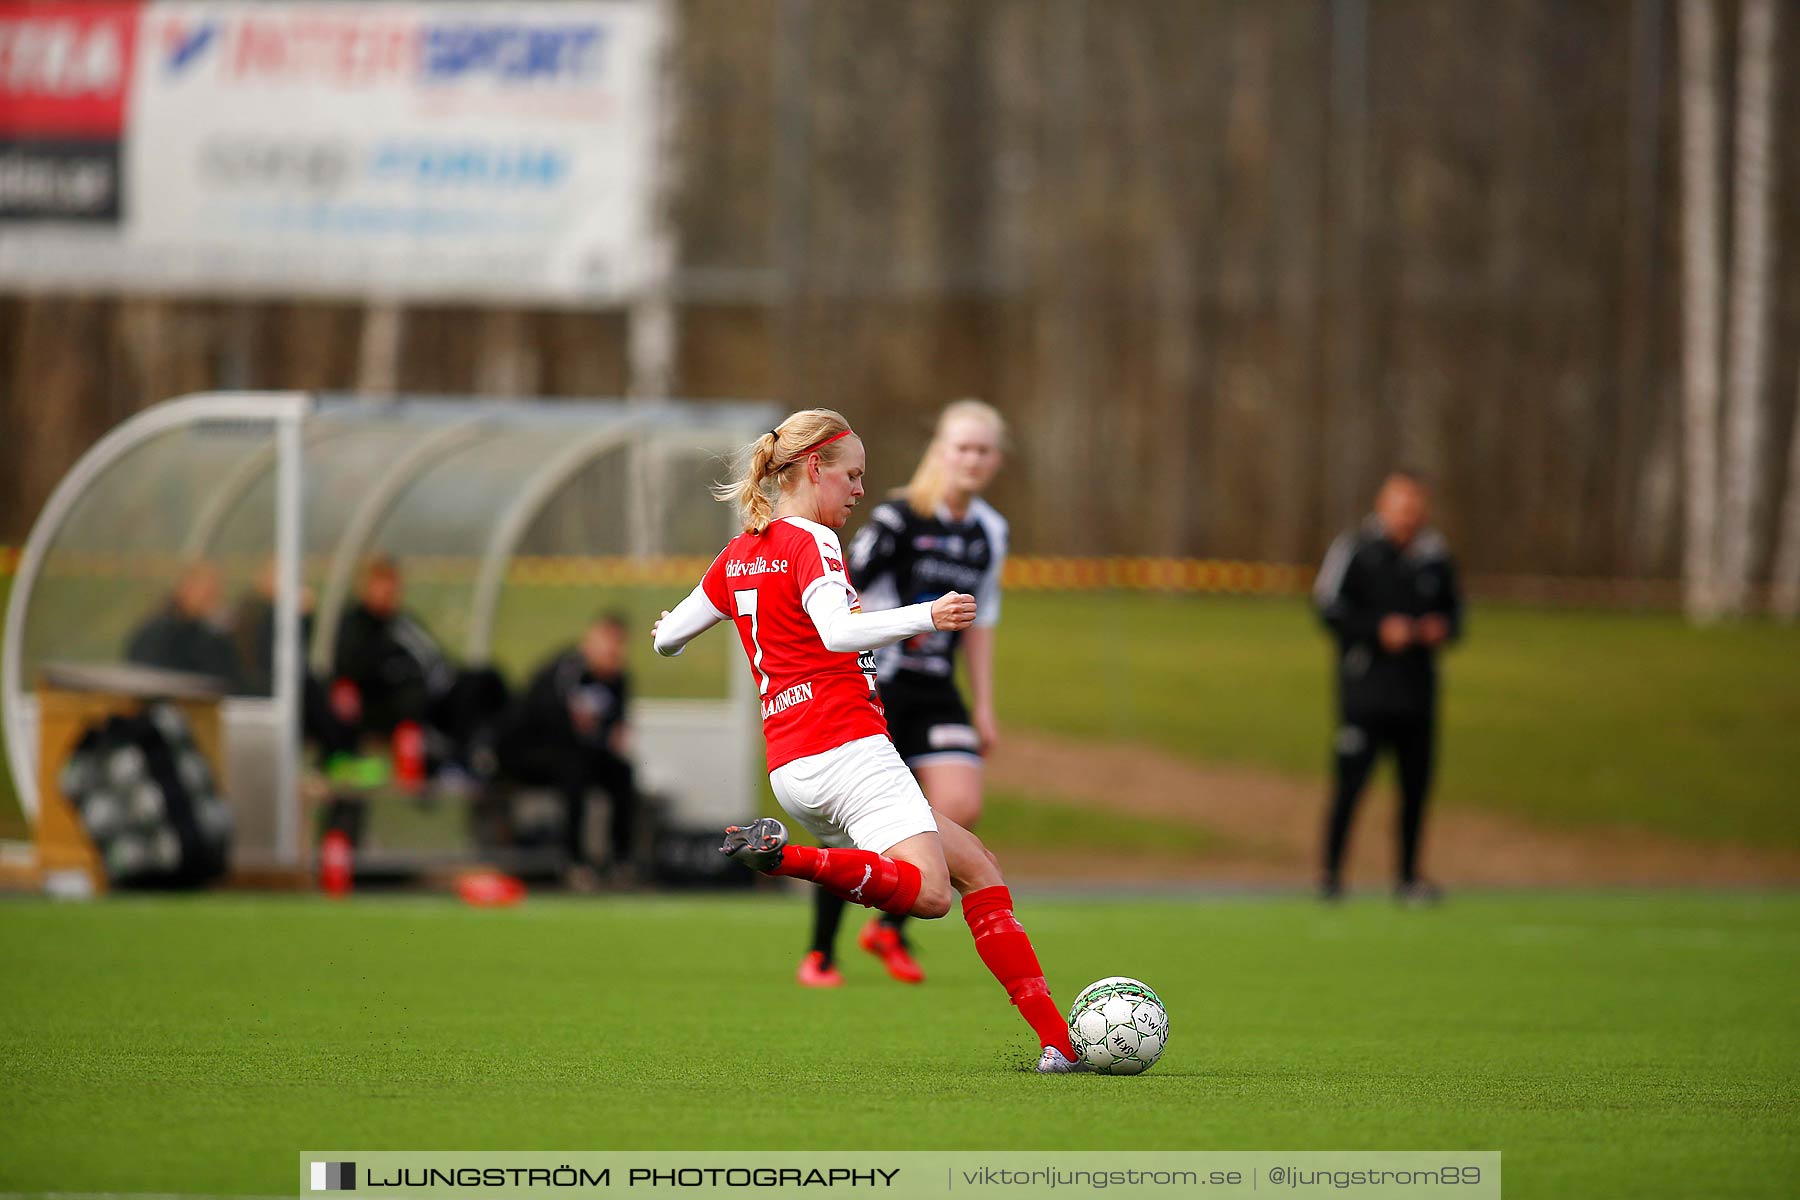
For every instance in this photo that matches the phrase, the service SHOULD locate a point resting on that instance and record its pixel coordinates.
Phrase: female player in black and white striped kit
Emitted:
(936, 535)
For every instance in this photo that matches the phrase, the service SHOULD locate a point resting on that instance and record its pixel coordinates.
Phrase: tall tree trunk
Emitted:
(1784, 578)
(1746, 420)
(1641, 484)
(1061, 288)
(508, 363)
(1350, 449)
(1700, 260)
(1174, 294)
(379, 353)
(791, 236)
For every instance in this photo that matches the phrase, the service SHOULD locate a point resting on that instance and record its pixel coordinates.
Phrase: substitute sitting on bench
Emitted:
(569, 731)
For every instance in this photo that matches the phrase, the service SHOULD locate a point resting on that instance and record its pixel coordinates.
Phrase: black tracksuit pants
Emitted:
(572, 768)
(1359, 742)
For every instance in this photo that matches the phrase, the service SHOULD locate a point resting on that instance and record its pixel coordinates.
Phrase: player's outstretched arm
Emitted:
(844, 631)
(685, 622)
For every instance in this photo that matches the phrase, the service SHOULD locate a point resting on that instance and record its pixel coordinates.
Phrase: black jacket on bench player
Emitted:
(901, 558)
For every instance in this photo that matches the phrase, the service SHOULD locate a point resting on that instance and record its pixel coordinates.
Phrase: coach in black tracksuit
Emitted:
(1388, 591)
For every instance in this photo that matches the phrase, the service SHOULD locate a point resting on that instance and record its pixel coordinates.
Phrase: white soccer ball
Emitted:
(146, 803)
(170, 723)
(165, 849)
(77, 776)
(102, 813)
(1119, 1026)
(214, 818)
(196, 774)
(125, 766)
(126, 855)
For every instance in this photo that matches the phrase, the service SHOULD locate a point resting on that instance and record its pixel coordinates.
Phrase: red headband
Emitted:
(816, 445)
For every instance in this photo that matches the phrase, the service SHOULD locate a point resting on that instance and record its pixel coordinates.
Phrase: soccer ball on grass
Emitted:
(1119, 1026)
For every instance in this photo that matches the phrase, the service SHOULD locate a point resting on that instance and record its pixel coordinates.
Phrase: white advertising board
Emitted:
(480, 151)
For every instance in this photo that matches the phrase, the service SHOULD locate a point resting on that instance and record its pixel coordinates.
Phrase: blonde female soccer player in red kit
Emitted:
(782, 583)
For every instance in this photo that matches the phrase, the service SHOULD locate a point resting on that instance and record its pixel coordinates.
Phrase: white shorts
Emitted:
(857, 794)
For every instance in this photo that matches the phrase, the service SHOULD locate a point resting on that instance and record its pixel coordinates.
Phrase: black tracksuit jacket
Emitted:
(1364, 578)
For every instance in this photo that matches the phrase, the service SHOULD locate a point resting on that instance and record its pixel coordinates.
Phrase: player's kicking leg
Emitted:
(918, 876)
(888, 882)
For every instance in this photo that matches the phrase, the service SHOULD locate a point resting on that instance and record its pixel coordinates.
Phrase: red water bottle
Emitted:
(336, 858)
(409, 755)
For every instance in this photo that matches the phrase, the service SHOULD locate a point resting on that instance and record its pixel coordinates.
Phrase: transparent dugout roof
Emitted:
(455, 490)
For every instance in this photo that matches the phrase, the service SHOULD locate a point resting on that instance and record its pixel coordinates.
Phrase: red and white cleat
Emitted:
(884, 942)
(815, 972)
(757, 845)
(1052, 1062)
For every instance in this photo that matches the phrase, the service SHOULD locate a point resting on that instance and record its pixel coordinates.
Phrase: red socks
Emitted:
(859, 876)
(1003, 946)
(893, 886)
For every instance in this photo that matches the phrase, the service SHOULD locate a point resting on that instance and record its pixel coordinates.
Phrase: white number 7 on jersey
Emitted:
(746, 607)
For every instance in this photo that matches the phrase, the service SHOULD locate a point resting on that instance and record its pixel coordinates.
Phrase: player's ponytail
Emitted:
(762, 465)
(929, 486)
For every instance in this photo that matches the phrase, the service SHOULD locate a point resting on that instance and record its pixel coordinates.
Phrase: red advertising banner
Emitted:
(65, 69)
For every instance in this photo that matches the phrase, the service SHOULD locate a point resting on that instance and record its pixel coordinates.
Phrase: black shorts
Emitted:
(928, 722)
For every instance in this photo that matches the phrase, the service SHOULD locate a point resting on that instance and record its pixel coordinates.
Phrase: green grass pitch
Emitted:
(1565, 719)
(1560, 718)
(1616, 1045)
